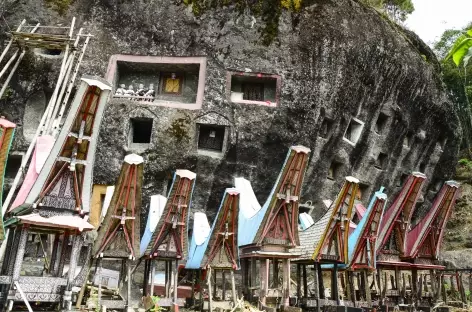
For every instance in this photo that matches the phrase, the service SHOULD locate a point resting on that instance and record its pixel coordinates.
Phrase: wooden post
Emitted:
(334, 284)
(368, 297)
(264, 265)
(176, 286)
(320, 281)
(299, 281)
(378, 275)
(351, 288)
(99, 273)
(286, 281)
(210, 293)
(384, 291)
(275, 272)
(305, 283)
(470, 286)
(403, 292)
(19, 254)
(233, 288)
(397, 279)
(443, 288)
(153, 274)
(215, 272)
(223, 286)
(128, 278)
(461, 288)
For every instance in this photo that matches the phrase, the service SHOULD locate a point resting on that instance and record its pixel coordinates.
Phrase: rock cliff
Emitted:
(341, 66)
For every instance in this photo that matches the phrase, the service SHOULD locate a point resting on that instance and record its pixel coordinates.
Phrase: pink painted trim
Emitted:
(200, 60)
(6, 124)
(278, 85)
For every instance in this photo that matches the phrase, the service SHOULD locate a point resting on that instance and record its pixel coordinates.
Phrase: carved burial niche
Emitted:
(354, 131)
(334, 169)
(326, 128)
(402, 179)
(363, 192)
(176, 82)
(381, 123)
(381, 161)
(408, 139)
(252, 88)
(13, 165)
(140, 132)
(211, 138)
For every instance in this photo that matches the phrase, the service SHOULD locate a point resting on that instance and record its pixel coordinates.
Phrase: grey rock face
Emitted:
(337, 60)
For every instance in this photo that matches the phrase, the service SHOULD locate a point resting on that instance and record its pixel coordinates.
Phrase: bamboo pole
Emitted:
(10, 42)
(64, 85)
(7, 65)
(55, 127)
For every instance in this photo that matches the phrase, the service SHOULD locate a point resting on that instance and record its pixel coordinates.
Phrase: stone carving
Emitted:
(37, 297)
(5, 279)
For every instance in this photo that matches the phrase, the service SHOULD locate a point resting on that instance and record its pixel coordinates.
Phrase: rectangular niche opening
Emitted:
(13, 165)
(354, 131)
(211, 138)
(363, 192)
(422, 167)
(177, 82)
(381, 123)
(326, 128)
(402, 179)
(252, 88)
(140, 132)
(381, 161)
(334, 169)
(408, 139)
(442, 142)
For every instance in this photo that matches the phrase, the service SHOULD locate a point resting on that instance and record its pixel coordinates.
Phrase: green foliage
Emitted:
(60, 6)
(179, 129)
(7, 94)
(267, 10)
(397, 10)
(156, 307)
(453, 50)
(464, 162)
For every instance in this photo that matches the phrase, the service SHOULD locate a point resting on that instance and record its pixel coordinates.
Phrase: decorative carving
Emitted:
(36, 297)
(5, 279)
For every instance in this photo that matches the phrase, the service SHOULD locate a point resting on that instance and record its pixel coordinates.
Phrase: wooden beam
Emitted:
(305, 283)
(233, 288)
(210, 294)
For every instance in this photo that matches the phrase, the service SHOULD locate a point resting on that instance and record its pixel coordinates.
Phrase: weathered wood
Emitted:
(397, 279)
(378, 275)
(305, 282)
(334, 281)
(443, 288)
(153, 274)
(461, 288)
(275, 272)
(210, 293)
(320, 281)
(299, 281)
(264, 277)
(368, 297)
(23, 296)
(286, 281)
(233, 288)
(350, 292)
(384, 291)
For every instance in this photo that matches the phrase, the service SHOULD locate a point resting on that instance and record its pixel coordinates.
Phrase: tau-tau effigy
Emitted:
(169, 241)
(269, 234)
(57, 203)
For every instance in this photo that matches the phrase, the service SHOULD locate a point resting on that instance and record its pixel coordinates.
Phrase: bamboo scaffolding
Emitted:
(11, 41)
(13, 70)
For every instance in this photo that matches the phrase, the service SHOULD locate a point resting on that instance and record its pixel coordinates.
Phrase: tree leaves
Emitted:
(461, 50)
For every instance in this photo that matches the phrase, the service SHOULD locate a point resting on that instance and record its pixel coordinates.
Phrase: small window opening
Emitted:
(437, 186)
(402, 179)
(381, 162)
(422, 167)
(262, 88)
(334, 170)
(381, 123)
(326, 128)
(211, 137)
(141, 129)
(48, 52)
(13, 165)
(363, 192)
(408, 140)
(354, 130)
(442, 142)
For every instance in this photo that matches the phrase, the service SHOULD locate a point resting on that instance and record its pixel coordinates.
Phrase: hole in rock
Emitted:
(141, 129)
(211, 137)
